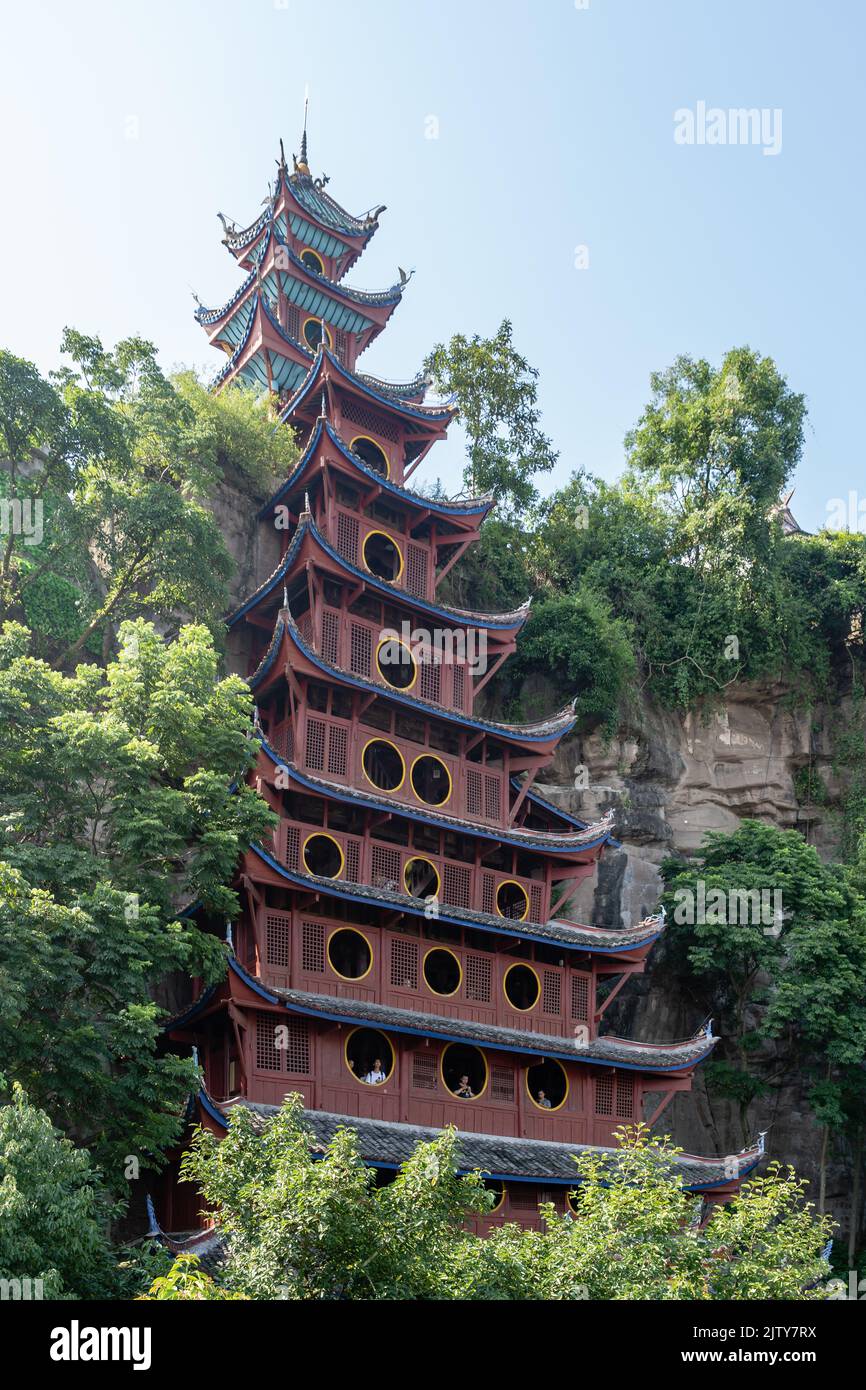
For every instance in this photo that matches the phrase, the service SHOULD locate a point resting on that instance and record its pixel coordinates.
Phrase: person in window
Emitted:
(464, 1090)
(375, 1076)
(543, 1101)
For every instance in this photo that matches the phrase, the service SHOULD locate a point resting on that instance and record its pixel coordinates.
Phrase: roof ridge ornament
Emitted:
(302, 165)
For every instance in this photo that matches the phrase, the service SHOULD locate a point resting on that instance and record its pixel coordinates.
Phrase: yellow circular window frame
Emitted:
(521, 964)
(502, 884)
(501, 1200)
(399, 573)
(325, 836)
(451, 993)
(571, 1203)
(386, 790)
(437, 804)
(401, 688)
(353, 979)
(547, 1110)
(369, 440)
(447, 1088)
(421, 859)
(359, 1079)
(326, 332)
(308, 251)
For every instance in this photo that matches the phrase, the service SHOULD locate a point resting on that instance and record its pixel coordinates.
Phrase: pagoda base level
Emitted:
(530, 1171)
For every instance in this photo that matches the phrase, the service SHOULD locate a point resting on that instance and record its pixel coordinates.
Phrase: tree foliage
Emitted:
(302, 1223)
(117, 806)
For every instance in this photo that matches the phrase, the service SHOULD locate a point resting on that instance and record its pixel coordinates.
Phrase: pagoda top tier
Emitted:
(307, 216)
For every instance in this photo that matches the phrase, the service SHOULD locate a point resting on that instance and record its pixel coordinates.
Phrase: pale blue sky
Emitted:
(126, 126)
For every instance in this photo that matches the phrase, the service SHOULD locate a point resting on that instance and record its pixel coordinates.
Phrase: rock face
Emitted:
(672, 777)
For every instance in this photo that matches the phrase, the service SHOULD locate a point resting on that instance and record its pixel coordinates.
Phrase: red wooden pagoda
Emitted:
(405, 958)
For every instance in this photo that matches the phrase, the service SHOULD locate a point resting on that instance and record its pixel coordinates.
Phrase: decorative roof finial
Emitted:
(285, 599)
(307, 504)
(282, 165)
(301, 165)
(229, 941)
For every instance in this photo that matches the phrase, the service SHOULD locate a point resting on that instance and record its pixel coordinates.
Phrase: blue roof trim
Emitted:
(497, 624)
(402, 493)
(561, 1055)
(533, 795)
(404, 407)
(452, 914)
(439, 822)
(222, 1119)
(434, 711)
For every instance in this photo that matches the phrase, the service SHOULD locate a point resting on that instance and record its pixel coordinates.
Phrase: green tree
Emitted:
(123, 462)
(53, 1208)
(716, 446)
(117, 802)
(497, 397)
(301, 1223)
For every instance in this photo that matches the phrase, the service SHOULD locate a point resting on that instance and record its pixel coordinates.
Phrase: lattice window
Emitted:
(502, 1084)
(313, 948)
(268, 1055)
(292, 843)
(315, 744)
(604, 1095)
(416, 570)
(294, 1038)
(352, 858)
(431, 682)
(293, 322)
(331, 636)
(424, 1071)
(536, 901)
(277, 933)
(487, 893)
(551, 993)
(492, 802)
(340, 342)
(404, 964)
(474, 783)
(385, 866)
(456, 886)
(305, 627)
(476, 980)
(283, 742)
(347, 536)
(624, 1098)
(458, 674)
(523, 1198)
(580, 997)
(337, 751)
(369, 420)
(361, 650)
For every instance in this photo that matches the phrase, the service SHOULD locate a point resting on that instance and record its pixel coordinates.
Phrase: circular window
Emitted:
(313, 334)
(323, 856)
(511, 900)
(572, 1203)
(421, 878)
(350, 954)
(547, 1085)
(313, 261)
(383, 765)
(464, 1071)
(369, 1056)
(382, 556)
(442, 972)
(371, 453)
(498, 1189)
(521, 987)
(396, 664)
(431, 780)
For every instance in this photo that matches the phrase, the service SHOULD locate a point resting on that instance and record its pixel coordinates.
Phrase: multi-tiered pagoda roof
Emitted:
(407, 955)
